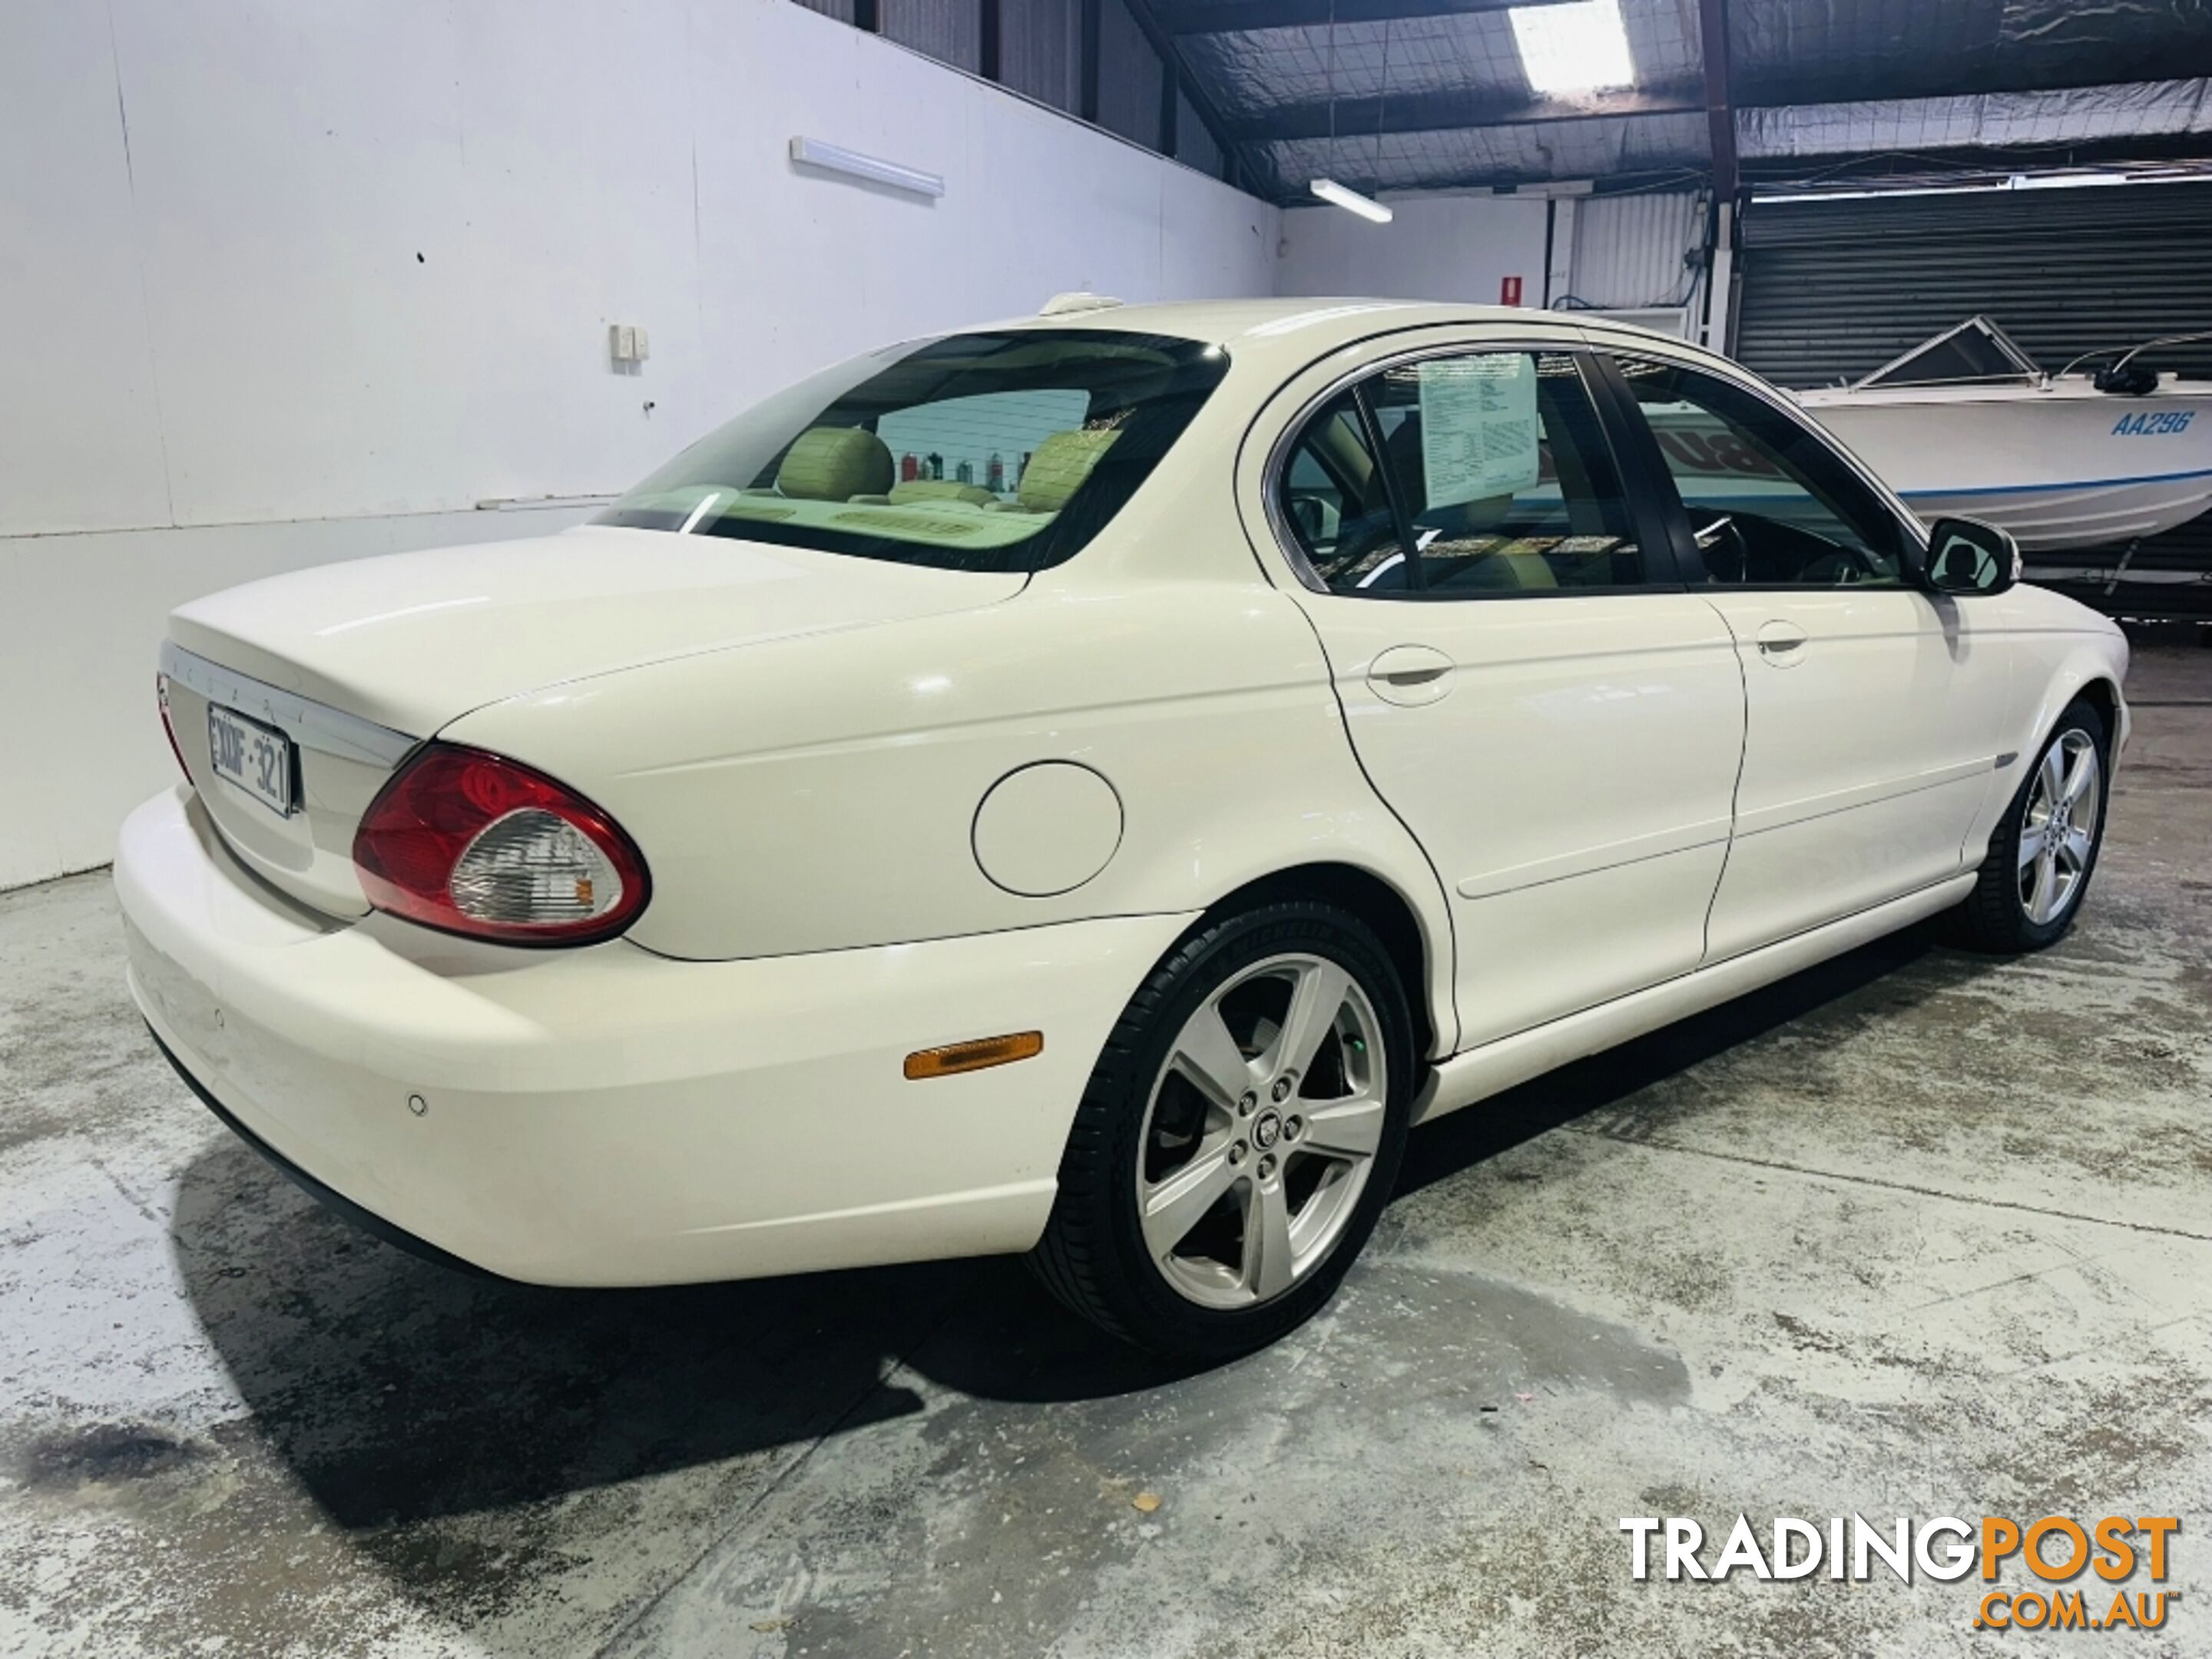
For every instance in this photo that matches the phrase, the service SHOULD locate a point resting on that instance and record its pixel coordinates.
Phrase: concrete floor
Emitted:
(1917, 1233)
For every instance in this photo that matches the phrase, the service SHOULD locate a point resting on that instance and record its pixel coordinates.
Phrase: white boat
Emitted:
(1967, 424)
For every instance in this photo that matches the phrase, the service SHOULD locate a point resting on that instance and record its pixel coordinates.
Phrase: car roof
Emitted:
(1306, 328)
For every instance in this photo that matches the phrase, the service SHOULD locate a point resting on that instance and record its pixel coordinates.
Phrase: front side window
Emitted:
(974, 452)
(1769, 503)
(1461, 477)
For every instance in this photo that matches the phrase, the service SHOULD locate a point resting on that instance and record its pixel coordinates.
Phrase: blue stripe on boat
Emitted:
(2076, 484)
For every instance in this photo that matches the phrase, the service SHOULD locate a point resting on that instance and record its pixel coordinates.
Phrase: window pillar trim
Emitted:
(1371, 427)
(1660, 517)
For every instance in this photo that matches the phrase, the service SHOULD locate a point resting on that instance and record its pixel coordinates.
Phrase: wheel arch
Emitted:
(2079, 680)
(2100, 693)
(2081, 672)
(1423, 962)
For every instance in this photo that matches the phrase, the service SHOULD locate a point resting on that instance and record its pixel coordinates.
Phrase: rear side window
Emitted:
(976, 451)
(1475, 475)
(1334, 496)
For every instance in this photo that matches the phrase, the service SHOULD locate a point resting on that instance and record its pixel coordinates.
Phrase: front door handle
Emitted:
(1781, 644)
(1410, 674)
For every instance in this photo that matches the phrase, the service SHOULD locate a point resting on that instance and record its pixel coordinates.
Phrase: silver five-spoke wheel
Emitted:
(1240, 1134)
(2060, 828)
(1262, 1131)
(2043, 851)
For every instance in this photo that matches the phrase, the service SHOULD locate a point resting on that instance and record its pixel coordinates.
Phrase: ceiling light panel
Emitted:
(1580, 47)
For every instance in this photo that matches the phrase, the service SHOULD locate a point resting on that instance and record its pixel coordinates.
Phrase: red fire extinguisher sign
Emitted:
(1508, 290)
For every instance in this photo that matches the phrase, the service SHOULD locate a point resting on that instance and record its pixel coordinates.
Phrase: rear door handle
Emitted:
(1410, 674)
(1781, 643)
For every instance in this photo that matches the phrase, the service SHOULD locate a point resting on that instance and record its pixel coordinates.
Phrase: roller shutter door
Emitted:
(1834, 290)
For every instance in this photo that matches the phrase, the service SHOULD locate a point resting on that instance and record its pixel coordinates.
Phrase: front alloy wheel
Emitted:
(2059, 831)
(2044, 850)
(1239, 1136)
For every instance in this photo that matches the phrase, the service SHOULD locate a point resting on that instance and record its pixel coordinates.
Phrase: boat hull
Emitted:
(2062, 467)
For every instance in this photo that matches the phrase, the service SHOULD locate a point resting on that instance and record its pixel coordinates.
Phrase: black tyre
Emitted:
(1239, 1136)
(2045, 849)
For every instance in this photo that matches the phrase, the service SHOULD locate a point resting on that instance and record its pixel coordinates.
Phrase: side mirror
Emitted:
(1965, 556)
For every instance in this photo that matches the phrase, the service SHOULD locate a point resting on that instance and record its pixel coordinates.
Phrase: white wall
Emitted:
(1622, 251)
(291, 284)
(1438, 247)
(82, 621)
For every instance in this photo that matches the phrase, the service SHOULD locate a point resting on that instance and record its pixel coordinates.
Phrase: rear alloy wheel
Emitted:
(2045, 849)
(1239, 1136)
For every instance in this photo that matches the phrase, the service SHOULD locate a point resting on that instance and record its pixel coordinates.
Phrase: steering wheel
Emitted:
(1840, 567)
(1722, 545)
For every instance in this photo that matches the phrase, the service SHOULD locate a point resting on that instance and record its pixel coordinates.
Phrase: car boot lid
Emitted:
(413, 640)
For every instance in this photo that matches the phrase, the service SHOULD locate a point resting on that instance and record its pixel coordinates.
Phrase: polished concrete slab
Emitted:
(1917, 1233)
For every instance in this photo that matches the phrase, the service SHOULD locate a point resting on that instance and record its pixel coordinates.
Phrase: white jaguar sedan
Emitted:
(1086, 786)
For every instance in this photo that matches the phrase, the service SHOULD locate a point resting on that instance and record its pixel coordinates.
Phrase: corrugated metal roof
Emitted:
(1878, 76)
(1821, 51)
(1985, 120)
(1490, 156)
(1442, 99)
(1257, 74)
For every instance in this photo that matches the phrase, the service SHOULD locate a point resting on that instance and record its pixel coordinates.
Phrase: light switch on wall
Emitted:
(627, 344)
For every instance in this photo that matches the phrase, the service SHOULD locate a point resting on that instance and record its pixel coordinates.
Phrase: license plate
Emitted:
(257, 758)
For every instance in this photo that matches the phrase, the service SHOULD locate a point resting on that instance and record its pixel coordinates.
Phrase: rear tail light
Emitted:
(473, 843)
(169, 723)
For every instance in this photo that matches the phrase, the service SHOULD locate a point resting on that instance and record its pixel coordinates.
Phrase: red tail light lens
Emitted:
(473, 843)
(169, 724)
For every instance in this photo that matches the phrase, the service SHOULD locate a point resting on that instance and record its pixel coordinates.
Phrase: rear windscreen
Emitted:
(974, 452)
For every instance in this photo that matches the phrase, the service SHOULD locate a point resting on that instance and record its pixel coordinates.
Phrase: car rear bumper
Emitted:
(608, 1116)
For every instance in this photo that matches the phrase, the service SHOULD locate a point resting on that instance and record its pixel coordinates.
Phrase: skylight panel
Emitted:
(1580, 47)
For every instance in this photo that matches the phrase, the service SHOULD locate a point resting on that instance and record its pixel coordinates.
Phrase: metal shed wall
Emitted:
(1629, 248)
(1194, 145)
(1039, 43)
(1128, 76)
(950, 31)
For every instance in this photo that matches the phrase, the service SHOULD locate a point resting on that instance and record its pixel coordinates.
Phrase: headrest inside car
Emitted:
(835, 464)
(1058, 467)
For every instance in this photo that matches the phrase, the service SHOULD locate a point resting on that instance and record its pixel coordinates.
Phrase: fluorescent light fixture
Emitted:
(1573, 48)
(2017, 181)
(2065, 181)
(1365, 206)
(835, 158)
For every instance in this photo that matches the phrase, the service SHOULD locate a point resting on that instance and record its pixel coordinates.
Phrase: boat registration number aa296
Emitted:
(2147, 424)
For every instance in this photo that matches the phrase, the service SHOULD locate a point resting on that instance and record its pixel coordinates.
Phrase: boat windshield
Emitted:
(1976, 352)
